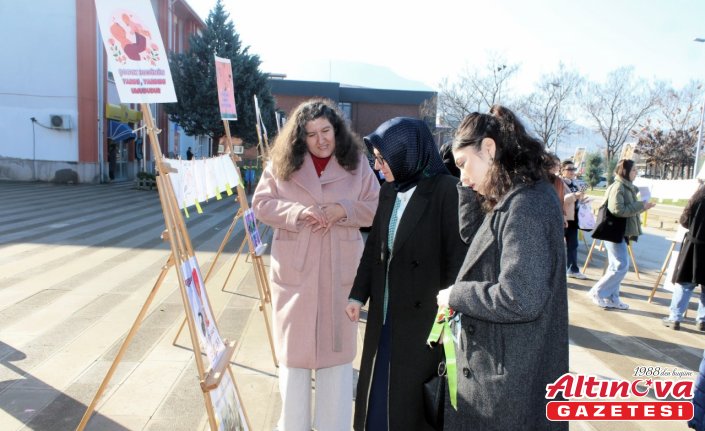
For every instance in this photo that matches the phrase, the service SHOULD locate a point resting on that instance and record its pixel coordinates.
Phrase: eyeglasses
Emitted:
(379, 159)
(570, 169)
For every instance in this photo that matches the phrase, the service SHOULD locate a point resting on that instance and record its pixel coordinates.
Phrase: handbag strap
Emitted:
(441, 328)
(607, 195)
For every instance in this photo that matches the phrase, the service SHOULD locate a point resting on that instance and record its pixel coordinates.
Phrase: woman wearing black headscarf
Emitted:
(413, 251)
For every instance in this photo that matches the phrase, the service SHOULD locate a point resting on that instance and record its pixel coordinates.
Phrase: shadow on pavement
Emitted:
(42, 407)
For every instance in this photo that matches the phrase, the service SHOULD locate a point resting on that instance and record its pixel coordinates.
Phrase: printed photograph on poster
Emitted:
(228, 410)
(627, 151)
(226, 89)
(251, 226)
(136, 54)
(209, 339)
(579, 160)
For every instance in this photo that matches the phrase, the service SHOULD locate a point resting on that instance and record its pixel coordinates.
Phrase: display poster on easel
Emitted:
(627, 151)
(227, 406)
(136, 53)
(677, 238)
(208, 337)
(579, 159)
(262, 137)
(226, 403)
(136, 57)
(226, 91)
(253, 232)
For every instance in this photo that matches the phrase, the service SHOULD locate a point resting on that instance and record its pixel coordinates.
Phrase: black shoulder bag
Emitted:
(609, 227)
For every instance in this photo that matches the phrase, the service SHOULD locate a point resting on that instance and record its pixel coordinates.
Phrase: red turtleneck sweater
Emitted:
(320, 163)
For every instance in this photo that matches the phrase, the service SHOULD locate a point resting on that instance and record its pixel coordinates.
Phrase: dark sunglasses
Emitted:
(570, 169)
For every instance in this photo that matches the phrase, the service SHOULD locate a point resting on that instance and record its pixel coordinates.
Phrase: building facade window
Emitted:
(346, 108)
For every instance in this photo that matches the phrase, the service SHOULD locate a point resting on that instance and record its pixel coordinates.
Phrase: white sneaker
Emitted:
(579, 275)
(619, 305)
(600, 302)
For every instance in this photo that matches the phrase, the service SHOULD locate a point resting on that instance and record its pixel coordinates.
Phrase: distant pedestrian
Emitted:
(112, 160)
(573, 196)
(690, 268)
(189, 154)
(622, 202)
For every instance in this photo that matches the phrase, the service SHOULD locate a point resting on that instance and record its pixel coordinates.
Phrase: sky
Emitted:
(414, 45)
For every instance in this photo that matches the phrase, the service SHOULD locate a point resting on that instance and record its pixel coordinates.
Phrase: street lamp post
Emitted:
(700, 139)
(557, 86)
(700, 129)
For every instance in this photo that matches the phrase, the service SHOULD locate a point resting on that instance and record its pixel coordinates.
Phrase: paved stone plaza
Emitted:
(77, 263)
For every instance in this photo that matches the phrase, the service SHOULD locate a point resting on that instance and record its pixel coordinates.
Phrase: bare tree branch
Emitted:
(666, 140)
(548, 107)
(617, 105)
(474, 90)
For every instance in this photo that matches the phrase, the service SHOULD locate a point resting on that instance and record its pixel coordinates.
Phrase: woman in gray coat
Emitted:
(510, 294)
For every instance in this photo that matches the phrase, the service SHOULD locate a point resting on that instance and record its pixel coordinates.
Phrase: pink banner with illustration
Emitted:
(226, 90)
(136, 54)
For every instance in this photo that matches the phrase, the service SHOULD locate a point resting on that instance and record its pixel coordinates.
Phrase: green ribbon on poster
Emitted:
(441, 328)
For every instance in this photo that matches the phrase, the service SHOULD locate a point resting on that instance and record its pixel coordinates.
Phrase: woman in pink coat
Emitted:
(316, 193)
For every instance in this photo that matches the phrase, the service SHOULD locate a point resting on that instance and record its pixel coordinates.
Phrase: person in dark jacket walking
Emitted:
(510, 292)
(690, 268)
(413, 250)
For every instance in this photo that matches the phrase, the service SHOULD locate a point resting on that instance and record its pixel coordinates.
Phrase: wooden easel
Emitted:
(257, 261)
(675, 240)
(601, 248)
(181, 251)
(663, 269)
(263, 149)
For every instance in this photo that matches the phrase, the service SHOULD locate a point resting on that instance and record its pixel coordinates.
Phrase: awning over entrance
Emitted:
(118, 131)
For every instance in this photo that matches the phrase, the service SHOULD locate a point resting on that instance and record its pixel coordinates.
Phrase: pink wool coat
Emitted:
(312, 272)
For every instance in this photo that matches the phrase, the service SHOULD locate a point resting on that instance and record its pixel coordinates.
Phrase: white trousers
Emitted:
(333, 409)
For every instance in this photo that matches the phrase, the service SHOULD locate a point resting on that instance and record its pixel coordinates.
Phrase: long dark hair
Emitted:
(518, 159)
(698, 197)
(624, 168)
(290, 145)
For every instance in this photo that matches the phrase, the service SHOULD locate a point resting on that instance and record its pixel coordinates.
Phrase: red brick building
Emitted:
(366, 108)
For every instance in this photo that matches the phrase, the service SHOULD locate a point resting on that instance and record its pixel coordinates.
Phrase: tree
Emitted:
(616, 106)
(474, 90)
(667, 140)
(546, 109)
(197, 109)
(593, 169)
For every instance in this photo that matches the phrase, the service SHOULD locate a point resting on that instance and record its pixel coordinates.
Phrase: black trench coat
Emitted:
(693, 247)
(427, 255)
